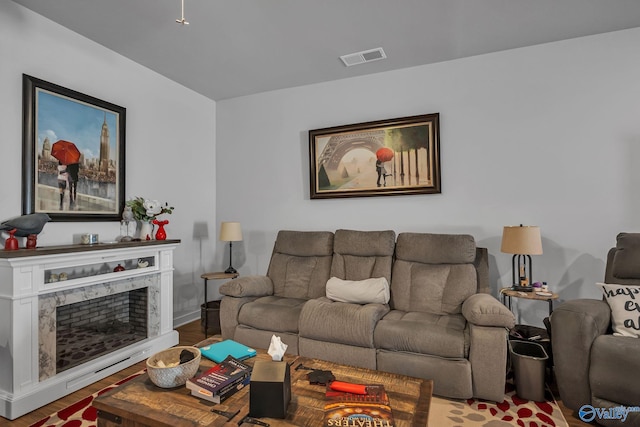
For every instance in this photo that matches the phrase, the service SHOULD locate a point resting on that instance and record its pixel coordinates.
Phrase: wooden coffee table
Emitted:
(139, 403)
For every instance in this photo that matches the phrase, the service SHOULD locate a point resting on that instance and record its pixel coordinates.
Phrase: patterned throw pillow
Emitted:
(624, 301)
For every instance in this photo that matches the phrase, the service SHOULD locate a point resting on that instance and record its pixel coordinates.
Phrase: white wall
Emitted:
(546, 135)
(170, 137)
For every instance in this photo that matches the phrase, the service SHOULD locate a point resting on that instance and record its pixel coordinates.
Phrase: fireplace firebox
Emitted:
(89, 329)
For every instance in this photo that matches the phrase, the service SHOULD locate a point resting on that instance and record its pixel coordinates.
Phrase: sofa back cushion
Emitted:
(623, 261)
(300, 263)
(433, 273)
(360, 255)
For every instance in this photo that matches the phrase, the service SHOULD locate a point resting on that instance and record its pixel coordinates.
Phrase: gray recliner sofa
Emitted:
(440, 322)
(593, 366)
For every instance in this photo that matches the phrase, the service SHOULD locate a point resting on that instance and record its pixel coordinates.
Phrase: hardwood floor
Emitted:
(189, 334)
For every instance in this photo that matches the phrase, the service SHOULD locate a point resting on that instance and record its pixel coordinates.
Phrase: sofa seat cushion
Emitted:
(272, 313)
(614, 373)
(324, 320)
(425, 333)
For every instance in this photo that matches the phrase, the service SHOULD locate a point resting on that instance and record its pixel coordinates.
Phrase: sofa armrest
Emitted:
(488, 358)
(248, 286)
(485, 310)
(574, 327)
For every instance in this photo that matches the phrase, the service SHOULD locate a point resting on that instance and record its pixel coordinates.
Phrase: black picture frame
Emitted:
(52, 113)
(347, 161)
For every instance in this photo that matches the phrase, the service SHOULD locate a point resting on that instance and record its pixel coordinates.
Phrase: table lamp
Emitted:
(230, 232)
(522, 242)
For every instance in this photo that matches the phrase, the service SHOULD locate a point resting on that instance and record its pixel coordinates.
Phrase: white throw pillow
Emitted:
(624, 302)
(374, 290)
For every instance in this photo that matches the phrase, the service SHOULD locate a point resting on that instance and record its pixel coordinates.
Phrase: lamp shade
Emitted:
(230, 232)
(519, 239)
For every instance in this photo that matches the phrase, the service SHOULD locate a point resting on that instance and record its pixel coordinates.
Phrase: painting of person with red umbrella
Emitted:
(68, 157)
(74, 147)
(385, 157)
(383, 154)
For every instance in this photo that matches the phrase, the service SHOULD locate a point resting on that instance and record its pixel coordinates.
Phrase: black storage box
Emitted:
(270, 390)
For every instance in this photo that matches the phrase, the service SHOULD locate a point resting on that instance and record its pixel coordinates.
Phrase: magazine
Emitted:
(219, 379)
(362, 410)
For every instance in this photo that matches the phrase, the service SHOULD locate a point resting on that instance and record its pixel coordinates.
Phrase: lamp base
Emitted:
(231, 270)
(522, 288)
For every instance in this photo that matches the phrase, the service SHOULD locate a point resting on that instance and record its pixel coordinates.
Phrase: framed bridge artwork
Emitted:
(73, 154)
(382, 158)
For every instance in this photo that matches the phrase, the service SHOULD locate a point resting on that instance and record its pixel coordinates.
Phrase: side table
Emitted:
(218, 275)
(528, 333)
(510, 293)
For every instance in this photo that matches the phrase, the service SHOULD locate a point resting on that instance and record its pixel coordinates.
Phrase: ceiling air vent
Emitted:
(362, 57)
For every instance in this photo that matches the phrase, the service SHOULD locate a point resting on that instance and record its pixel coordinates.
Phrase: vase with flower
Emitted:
(146, 211)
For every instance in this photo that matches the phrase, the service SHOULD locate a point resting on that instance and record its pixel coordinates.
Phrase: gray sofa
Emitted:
(440, 322)
(593, 366)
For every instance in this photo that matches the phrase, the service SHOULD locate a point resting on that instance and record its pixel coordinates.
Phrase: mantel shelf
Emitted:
(65, 249)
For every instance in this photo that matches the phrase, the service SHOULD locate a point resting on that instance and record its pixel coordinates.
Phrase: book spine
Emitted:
(230, 392)
(233, 384)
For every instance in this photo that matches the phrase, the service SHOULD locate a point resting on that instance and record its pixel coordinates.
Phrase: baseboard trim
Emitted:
(186, 318)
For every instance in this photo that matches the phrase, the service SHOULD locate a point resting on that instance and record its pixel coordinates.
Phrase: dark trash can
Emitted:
(529, 361)
(213, 317)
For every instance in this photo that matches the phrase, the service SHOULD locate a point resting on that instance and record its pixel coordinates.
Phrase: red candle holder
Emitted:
(12, 243)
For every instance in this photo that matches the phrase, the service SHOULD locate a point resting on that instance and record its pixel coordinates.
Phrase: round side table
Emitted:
(510, 293)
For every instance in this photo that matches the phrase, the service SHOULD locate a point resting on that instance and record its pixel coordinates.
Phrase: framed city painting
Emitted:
(73, 154)
(382, 158)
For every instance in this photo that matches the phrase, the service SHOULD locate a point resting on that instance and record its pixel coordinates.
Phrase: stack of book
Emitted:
(221, 381)
(371, 409)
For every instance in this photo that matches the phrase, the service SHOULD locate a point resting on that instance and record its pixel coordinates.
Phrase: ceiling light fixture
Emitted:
(182, 20)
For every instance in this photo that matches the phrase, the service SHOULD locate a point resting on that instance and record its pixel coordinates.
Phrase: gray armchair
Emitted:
(254, 308)
(593, 366)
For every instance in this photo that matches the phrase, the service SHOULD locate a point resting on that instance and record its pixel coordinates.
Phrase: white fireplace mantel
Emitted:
(30, 280)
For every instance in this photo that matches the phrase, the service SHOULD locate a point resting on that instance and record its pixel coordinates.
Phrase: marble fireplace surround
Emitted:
(28, 300)
(49, 303)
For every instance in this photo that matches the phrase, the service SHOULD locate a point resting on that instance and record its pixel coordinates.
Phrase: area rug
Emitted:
(81, 413)
(512, 411)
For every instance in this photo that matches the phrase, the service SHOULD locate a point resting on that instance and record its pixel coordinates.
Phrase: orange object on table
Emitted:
(348, 387)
